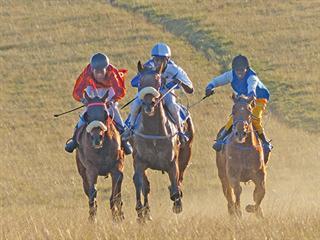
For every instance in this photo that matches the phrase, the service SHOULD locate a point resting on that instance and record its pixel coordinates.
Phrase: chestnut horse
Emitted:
(242, 159)
(156, 145)
(99, 154)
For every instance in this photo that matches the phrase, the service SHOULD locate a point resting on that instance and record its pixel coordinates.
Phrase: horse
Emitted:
(156, 145)
(99, 154)
(242, 159)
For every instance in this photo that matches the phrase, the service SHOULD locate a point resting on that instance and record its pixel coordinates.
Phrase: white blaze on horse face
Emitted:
(148, 90)
(95, 124)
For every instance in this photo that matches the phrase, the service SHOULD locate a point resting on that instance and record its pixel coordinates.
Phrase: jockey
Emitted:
(171, 74)
(100, 75)
(243, 81)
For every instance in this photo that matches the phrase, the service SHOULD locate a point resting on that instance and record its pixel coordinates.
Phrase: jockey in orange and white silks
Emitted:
(98, 77)
(171, 74)
(244, 81)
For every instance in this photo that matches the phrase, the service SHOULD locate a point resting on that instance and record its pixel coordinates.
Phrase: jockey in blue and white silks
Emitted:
(244, 81)
(171, 75)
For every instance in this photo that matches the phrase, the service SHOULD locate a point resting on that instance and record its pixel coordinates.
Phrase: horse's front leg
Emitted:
(92, 176)
(237, 192)
(258, 194)
(139, 169)
(146, 191)
(115, 198)
(175, 193)
(226, 188)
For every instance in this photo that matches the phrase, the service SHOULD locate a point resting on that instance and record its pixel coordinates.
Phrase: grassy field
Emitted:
(280, 38)
(43, 47)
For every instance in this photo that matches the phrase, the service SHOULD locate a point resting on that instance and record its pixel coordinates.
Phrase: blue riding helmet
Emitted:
(99, 61)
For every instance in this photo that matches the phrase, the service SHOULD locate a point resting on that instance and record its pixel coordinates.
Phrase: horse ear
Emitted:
(140, 67)
(86, 96)
(252, 101)
(105, 96)
(234, 97)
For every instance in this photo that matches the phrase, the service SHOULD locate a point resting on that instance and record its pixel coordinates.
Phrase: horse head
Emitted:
(242, 116)
(96, 116)
(150, 82)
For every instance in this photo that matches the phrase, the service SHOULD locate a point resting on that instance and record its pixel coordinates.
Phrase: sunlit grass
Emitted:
(44, 46)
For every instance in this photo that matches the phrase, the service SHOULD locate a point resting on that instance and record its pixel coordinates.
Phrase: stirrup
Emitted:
(183, 137)
(218, 145)
(71, 145)
(126, 147)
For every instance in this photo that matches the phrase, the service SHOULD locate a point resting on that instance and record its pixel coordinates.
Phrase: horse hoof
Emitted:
(148, 218)
(118, 218)
(177, 206)
(250, 208)
(239, 213)
(146, 215)
(92, 219)
(259, 213)
(141, 220)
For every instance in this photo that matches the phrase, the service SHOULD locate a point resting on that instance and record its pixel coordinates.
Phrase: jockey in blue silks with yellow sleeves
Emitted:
(244, 81)
(171, 74)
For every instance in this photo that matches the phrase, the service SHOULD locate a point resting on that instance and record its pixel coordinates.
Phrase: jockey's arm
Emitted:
(188, 89)
(221, 80)
(184, 81)
(252, 85)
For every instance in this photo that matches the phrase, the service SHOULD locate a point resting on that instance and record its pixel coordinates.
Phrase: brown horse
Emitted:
(156, 146)
(99, 154)
(241, 159)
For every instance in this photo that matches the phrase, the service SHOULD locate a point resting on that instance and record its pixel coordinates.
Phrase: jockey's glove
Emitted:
(172, 83)
(84, 101)
(209, 91)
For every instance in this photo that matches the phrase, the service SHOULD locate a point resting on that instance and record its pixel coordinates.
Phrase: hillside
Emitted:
(43, 48)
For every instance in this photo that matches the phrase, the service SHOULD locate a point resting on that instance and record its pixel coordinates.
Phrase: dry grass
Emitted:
(43, 46)
(280, 38)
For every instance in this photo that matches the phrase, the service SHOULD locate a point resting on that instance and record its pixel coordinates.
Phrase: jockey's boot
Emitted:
(219, 142)
(183, 138)
(125, 135)
(71, 144)
(266, 144)
(126, 147)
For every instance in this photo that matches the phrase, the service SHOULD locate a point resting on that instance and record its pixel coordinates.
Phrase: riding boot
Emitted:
(183, 138)
(266, 144)
(220, 140)
(127, 133)
(71, 144)
(126, 147)
(124, 141)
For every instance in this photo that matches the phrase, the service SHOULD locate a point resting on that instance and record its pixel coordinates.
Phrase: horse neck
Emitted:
(155, 125)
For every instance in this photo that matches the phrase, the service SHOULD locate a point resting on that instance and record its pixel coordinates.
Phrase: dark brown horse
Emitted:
(156, 146)
(99, 154)
(242, 159)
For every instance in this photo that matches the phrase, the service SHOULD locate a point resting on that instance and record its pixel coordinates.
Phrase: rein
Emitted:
(96, 104)
(154, 137)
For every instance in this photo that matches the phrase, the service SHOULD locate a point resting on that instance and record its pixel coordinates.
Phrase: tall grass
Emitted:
(44, 46)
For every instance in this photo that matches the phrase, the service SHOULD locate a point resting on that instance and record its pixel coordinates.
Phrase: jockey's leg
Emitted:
(114, 112)
(134, 110)
(257, 123)
(72, 144)
(174, 109)
(224, 133)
